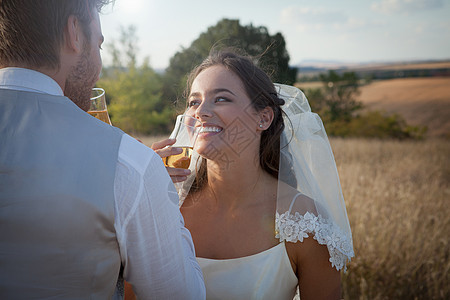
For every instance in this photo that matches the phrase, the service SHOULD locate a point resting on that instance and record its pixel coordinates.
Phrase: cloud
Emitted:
(306, 18)
(405, 6)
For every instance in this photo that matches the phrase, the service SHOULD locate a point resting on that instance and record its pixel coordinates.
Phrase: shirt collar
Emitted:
(21, 79)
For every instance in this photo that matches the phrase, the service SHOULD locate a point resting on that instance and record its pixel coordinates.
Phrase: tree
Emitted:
(134, 92)
(255, 41)
(136, 104)
(340, 92)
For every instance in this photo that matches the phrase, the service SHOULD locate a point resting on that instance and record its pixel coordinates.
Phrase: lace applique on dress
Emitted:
(296, 227)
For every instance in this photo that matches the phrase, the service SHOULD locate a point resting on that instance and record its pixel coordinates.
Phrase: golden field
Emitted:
(398, 202)
(421, 101)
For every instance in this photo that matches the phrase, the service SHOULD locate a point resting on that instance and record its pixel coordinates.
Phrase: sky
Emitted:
(347, 31)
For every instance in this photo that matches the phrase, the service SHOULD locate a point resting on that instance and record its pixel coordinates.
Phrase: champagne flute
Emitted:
(185, 132)
(98, 106)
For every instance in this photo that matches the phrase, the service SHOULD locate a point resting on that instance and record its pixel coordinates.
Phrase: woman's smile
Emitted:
(209, 130)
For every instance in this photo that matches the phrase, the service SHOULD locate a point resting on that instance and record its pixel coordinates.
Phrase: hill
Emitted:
(423, 101)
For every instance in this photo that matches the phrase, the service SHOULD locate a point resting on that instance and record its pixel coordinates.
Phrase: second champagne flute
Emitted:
(185, 132)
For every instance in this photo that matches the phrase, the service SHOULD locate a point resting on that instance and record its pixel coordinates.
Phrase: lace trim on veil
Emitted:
(295, 227)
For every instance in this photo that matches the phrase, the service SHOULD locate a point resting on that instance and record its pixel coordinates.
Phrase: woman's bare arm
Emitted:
(317, 279)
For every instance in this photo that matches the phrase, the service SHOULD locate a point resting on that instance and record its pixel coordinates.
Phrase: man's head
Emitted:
(60, 38)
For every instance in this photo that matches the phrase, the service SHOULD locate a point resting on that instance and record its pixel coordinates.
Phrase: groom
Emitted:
(81, 203)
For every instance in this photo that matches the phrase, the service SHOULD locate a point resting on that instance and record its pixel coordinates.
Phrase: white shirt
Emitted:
(156, 249)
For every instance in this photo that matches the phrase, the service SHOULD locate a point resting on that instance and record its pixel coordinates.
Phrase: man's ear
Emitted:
(73, 35)
(265, 117)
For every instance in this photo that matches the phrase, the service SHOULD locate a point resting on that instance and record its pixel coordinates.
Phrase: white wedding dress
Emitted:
(269, 274)
(265, 275)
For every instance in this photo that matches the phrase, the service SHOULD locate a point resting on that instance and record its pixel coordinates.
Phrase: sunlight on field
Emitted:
(397, 196)
(421, 101)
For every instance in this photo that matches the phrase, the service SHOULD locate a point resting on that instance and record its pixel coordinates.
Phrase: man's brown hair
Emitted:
(32, 31)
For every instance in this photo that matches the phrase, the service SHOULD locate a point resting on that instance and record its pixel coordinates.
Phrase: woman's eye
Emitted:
(221, 99)
(193, 103)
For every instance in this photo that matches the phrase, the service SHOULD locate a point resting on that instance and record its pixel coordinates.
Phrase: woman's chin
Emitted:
(208, 150)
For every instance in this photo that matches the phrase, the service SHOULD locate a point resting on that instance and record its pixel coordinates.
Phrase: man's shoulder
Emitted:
(135, 153)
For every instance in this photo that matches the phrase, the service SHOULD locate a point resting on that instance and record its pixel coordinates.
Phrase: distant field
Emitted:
(406, 66)
(421, 101)
(309, 85)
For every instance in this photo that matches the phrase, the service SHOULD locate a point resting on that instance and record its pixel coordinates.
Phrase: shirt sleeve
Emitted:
(156, 249)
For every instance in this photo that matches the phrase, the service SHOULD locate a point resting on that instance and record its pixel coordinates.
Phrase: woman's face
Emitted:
(230, 123)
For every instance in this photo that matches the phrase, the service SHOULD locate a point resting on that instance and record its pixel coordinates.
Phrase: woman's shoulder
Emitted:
(300, 218)
(291, 200)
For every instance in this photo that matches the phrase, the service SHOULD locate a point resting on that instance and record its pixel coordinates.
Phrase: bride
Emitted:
(263, 203)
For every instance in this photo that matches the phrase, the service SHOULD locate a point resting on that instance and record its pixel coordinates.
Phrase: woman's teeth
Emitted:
(210, 129)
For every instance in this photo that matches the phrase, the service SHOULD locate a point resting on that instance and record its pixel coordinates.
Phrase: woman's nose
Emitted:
(203, 110)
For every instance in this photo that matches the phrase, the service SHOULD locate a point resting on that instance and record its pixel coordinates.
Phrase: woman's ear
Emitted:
(73, 35)
(265, 118)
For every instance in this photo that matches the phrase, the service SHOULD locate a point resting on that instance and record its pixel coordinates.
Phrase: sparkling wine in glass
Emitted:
(185, 132)
(98, 106)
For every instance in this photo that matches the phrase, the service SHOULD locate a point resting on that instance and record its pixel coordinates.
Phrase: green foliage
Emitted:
(339, 94)
(316, 99)
(136, 104)
(134, 92)
(230, 33)
(375, 124)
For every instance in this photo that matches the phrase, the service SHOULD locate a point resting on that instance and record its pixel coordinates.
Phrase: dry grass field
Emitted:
(398, 202)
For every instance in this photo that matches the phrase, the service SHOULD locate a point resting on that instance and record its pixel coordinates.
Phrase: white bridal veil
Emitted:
(307, 164)
(309, 196)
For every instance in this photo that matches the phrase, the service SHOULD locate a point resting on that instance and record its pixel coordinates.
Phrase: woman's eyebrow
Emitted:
(215, 91)
(223, 90)
(194, 95)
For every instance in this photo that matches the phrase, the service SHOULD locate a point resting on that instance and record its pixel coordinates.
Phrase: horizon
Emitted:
(336, 65)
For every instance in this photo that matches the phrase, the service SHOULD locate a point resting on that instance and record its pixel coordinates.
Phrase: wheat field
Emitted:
(397, 196)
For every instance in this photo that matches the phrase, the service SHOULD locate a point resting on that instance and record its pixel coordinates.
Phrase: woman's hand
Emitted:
(176, 174)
